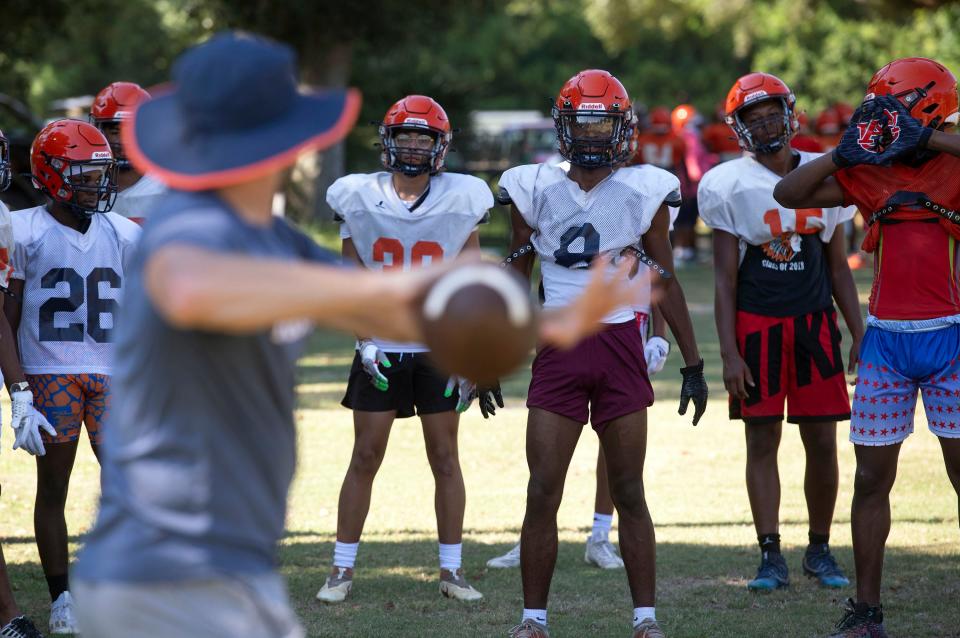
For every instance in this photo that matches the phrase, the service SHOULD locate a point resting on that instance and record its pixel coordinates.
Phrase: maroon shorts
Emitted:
(603, 378)
(793, 360)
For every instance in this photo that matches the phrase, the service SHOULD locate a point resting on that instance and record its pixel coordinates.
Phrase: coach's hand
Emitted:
(736, 376)
(655, 353)
(27, 422)
(694, 387)
(467, 392)
(371, 357)
(490, 399)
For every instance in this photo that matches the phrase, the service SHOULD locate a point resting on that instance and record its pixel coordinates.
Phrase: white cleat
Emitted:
(454, 585)
(62, 619)
(508, 560)
(337, 586)
(602, 554)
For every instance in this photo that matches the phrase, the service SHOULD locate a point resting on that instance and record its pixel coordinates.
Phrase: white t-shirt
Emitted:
(136, 202)
(737, 197)
(571, 226)
(388, 234)
(72, 287)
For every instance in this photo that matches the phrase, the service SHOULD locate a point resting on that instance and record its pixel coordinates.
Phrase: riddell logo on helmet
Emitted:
(592, 106)
(101, 155)
(756, 95)
(872, 132)
(415, 120)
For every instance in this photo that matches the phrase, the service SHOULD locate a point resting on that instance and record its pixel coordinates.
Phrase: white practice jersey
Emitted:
(571, 226)
(6, 246)
(72, 287)
(389, 235)
(136, 202)
(737, 197)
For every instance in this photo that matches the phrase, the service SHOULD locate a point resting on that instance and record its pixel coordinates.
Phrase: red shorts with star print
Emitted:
(893, 367)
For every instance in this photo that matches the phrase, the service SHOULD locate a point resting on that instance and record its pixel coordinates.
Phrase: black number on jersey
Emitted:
(95, 304)
(591, 246)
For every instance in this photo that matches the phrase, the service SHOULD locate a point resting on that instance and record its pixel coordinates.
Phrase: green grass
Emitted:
(694, 477)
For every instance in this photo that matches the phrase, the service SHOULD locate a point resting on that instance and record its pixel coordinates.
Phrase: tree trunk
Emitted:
(321, 67)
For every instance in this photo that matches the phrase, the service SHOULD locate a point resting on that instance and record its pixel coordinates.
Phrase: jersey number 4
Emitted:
(80, 291)
(392, 247)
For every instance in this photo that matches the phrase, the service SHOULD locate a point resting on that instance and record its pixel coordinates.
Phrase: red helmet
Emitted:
(660, 117)
(844, 112)
(754, 88)
(114, 104)
(593, 116)
(681, 116)
(415, 113)
(927, 88)
(6, 171)
(62, 154)
(828, 122)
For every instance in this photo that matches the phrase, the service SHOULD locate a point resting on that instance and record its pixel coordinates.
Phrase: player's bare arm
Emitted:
(945, 141)
(520, 234)
(726, 257)
(656, 242)
(673, 305)
(11, 311)
(810, 185)
(845, 294)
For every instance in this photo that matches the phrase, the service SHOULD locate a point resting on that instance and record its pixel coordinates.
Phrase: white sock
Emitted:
(539, 615)
(601, 526)
(451, 556)
(345, 554)
(642, 613)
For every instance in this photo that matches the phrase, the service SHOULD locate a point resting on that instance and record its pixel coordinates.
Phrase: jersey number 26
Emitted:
(80, 291)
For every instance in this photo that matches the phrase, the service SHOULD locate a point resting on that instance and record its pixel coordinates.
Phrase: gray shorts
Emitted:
(254, 607)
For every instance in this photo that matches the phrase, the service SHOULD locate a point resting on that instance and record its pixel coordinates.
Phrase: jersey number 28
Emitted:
(80, 291)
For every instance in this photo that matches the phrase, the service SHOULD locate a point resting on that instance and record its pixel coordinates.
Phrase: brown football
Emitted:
(479, 322)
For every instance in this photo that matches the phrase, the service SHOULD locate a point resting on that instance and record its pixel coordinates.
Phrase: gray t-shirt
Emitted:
(199, 447)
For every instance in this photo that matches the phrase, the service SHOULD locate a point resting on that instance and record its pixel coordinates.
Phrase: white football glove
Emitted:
(26, 421)
(655, 352)
(468, 392)
(370, 356)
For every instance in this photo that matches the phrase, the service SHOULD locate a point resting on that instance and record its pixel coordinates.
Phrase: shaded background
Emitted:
(470, 55)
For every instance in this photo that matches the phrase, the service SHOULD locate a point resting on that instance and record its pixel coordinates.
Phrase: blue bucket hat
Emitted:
(232, 114)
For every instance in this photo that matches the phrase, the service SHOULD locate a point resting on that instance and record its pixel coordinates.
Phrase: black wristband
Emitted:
(694, 369)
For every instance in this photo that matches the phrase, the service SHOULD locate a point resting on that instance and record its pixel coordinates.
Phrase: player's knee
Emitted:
(871, 481)
(543, 495)
(629, 495)
(52, 490)
(762, 445)
(444, 464)
(366, 461)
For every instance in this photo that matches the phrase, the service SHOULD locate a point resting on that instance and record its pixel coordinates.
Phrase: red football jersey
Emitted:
(916, 270)
(663, 151)
(807, 143)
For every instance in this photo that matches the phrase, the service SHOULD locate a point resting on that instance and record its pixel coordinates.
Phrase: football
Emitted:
(479, 322)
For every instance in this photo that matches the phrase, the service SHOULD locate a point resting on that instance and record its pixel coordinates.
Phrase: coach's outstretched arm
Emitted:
(656, 242)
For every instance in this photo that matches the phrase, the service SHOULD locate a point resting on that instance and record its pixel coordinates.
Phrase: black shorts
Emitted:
(415, 387)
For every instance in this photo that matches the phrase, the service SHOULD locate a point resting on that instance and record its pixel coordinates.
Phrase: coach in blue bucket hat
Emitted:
(234, 112)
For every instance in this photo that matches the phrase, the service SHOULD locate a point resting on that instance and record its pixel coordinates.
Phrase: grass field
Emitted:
(694, 477)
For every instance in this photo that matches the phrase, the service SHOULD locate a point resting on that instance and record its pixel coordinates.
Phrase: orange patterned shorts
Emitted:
(70, 400)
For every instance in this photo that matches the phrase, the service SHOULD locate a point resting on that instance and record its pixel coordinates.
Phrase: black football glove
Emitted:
(694, 387)
(880, 131)
(490, 399)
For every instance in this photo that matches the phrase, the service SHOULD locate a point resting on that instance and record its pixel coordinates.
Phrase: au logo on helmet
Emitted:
(876, 132)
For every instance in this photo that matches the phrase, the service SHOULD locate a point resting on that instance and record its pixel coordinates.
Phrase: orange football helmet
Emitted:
(114, 104)
(594, 119)
(926, 87)
(71, 162)
(754, 88)
(415, 113)
(681, 116)
(660, 119)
